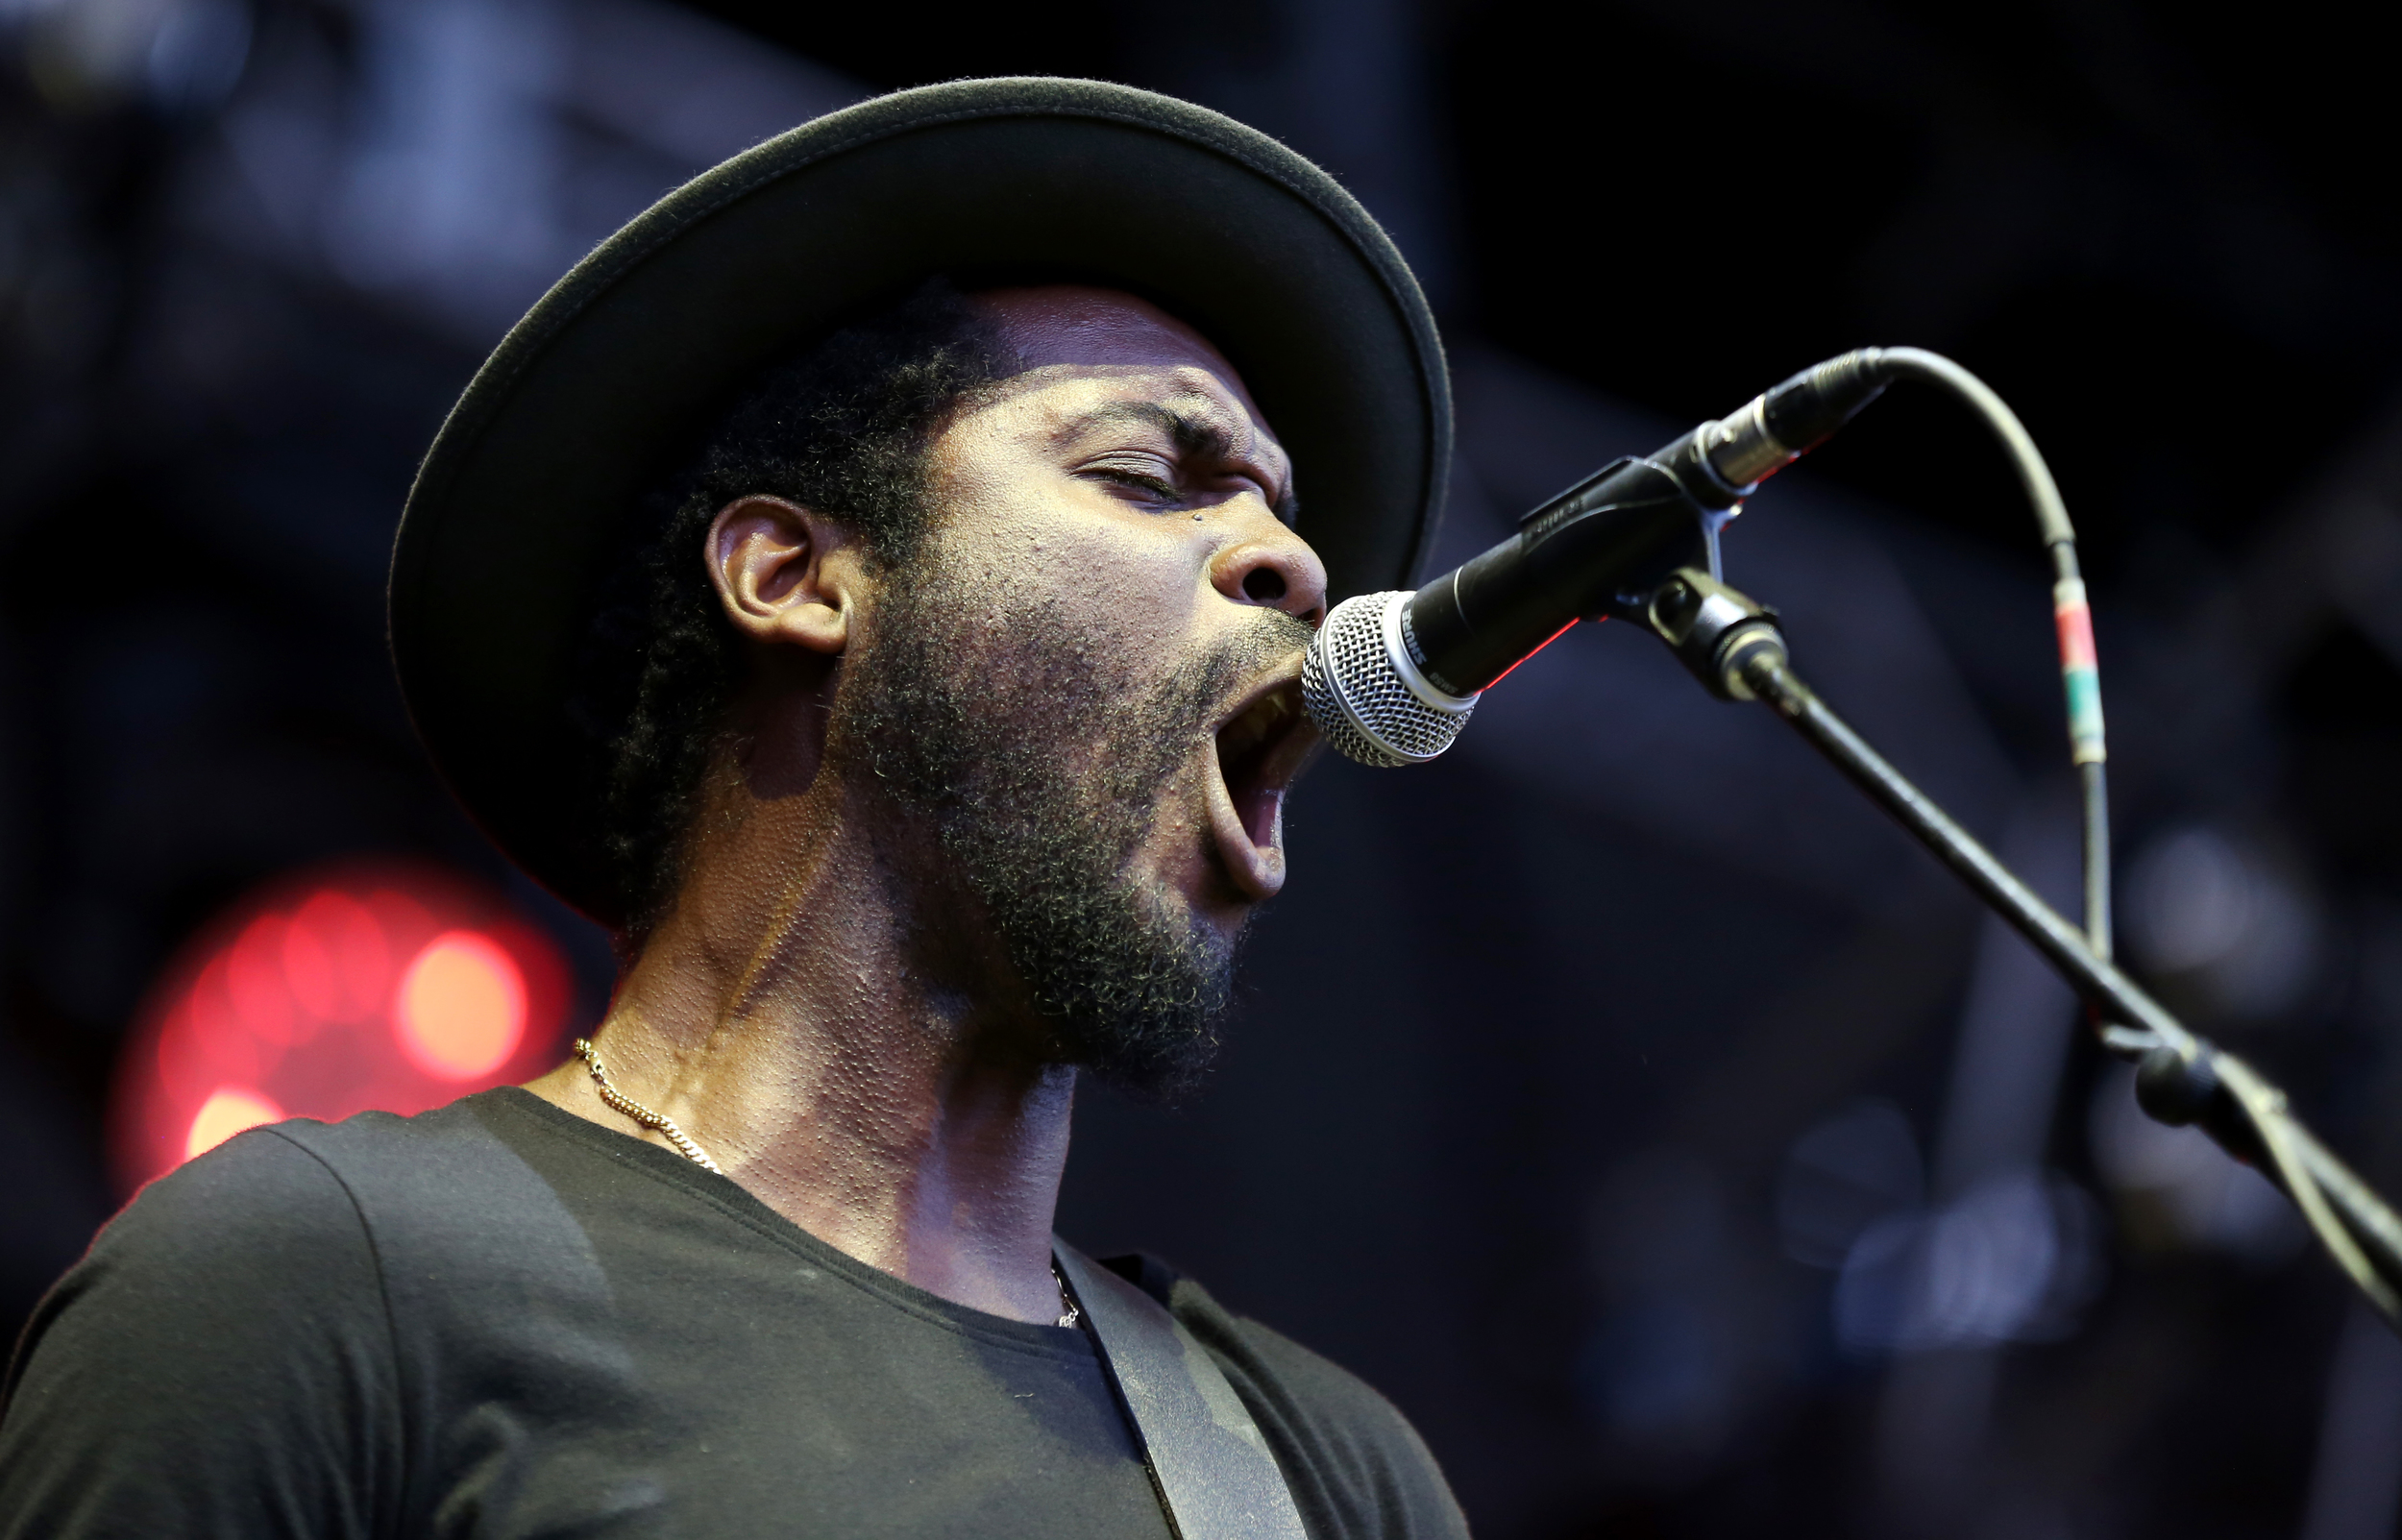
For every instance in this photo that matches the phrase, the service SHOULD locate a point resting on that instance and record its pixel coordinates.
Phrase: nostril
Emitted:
(1264, 584)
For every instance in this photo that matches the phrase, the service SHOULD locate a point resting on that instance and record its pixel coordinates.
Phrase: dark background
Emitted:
(1655, 1125)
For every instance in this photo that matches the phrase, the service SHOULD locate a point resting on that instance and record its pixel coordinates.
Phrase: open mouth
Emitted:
(1260, 750)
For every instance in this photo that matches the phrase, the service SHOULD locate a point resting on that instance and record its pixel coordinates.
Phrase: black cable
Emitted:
(2080, 677)
(1731, 643)
(2351, 1221)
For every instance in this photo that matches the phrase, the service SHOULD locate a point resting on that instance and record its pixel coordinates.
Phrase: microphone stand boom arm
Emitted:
(1731, 643)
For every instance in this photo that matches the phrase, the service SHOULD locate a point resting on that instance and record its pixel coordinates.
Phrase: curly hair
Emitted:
(842, 428)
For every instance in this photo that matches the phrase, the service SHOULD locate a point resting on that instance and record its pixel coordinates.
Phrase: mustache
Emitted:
(1205, 686)
(1276, 635)
(1042, 689)
(1150, 735)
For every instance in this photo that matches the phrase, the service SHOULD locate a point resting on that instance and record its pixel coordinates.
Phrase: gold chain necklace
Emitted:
(640, 1113)
(1069, 1315)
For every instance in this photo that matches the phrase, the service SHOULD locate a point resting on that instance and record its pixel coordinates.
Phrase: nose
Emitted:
(1278, 572)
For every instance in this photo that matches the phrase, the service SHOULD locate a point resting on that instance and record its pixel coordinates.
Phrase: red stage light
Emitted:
(228, 1110)
(384, 984)
(461, 1009)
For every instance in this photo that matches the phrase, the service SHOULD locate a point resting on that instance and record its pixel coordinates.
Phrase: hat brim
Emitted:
(538, 478)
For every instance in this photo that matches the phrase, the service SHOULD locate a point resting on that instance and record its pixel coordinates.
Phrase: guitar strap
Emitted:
(1215, 1476)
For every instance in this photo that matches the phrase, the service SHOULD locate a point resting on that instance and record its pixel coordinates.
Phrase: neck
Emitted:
(800, 1024)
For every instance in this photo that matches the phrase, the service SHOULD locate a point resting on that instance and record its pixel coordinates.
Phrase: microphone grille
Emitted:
(1367, 698)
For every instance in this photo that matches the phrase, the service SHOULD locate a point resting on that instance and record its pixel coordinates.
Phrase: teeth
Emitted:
(1256, 722)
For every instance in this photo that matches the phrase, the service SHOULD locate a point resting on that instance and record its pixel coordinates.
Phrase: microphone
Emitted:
(1391, 677)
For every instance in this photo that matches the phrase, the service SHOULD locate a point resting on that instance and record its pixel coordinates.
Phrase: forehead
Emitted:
(1076, 324)
(1075, 332)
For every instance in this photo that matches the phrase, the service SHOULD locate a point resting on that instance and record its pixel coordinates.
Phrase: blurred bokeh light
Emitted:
(392, 985)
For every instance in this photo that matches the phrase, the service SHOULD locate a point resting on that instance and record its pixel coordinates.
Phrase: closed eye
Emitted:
(1156, 488)
(1193, 444)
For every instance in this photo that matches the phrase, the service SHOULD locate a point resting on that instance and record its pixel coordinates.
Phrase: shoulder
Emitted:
(283, 1201)
(1356, 1467)
(224, 1329)
(228, 1357)
(260, 1238)
(259, 1204)
(239, 1259)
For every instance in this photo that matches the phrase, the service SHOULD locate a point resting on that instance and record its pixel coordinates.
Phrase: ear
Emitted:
(785, 574)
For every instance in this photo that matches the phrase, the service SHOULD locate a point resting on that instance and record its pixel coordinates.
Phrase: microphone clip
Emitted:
(1716, 631)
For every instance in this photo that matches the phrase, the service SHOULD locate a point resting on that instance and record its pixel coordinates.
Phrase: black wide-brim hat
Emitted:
(539, 479)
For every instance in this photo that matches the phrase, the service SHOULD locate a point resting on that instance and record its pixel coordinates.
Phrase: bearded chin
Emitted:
(1040, 779)
(1132, 991)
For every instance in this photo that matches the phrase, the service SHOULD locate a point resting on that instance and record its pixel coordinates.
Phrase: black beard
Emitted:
(1041, 771)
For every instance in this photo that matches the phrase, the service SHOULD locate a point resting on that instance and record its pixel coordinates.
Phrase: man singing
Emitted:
(874, 584)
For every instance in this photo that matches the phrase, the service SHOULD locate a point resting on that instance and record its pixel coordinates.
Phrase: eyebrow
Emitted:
(1191, 435)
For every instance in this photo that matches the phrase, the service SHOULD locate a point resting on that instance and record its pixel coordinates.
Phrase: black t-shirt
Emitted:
(500, 1320)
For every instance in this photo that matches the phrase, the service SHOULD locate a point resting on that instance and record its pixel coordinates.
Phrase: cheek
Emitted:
(1128, 595)
(1128, 584)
